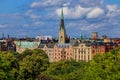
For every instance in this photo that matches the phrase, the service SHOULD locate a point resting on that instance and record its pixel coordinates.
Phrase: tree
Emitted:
(64, 70)
(33, 65)
(24, 54)
(8, 66)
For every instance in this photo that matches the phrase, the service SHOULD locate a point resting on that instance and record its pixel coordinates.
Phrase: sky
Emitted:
(20, 18)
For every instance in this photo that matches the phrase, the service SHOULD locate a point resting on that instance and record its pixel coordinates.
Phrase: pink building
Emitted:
(63, 52)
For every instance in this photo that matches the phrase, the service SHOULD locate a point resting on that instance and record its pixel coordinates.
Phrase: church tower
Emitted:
(62, 31)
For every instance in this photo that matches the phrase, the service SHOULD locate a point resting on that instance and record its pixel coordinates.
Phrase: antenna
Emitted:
(3, 36)
(8, 36)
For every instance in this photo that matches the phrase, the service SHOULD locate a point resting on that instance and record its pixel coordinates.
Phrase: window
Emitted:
(55, 58)
(88, 57)
(75, 56)
(79, 56)
(81, 45)
(84, 57)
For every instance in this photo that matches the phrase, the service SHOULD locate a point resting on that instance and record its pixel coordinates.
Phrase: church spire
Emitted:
(62, 31)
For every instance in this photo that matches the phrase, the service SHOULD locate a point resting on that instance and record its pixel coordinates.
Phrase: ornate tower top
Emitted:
(81, 36)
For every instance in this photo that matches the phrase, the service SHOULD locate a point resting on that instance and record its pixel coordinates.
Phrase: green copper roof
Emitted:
(62, 14)
(25, 44)
(81, 36)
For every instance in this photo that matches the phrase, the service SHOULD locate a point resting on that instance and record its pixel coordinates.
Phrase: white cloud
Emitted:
(34, 4)
(31, 14)
(79, 12)
(91, 3)
(112, 7)
(94, 26)
(75, 12)
(38, 23)
(113, 10)
(95, 13)
(66, 4)
(87, 28)
(45, 3)
(2, 26)
(28, 12)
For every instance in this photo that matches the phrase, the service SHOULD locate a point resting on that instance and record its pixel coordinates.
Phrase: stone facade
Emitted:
(49, 49)
(82, 52)
(63, 52)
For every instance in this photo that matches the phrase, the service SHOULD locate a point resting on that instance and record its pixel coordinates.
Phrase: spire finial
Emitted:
(81, 36)
(62, 14)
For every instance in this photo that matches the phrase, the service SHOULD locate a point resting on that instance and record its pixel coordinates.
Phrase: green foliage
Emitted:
(28, 65)
(64, 70)
(104, 67)
(33, 65)
(8, 66)
(24, 54)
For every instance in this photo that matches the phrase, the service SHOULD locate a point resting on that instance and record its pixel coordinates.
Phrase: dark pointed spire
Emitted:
(62, 31)
(62, 20)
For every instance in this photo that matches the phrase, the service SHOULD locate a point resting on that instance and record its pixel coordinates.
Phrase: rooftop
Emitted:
(25, 44)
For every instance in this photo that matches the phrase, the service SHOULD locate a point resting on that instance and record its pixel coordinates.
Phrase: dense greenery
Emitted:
(27, 65)
(34, 65)
(8, 66)
(64, 70)
(102, 67)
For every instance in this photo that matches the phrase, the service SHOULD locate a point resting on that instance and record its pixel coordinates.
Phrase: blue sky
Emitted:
(20, 18)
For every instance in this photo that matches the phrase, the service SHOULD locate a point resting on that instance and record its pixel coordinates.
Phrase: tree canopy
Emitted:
(64, 70)
(104, 67)
(8, 66)
(34, 65)
(27, 65)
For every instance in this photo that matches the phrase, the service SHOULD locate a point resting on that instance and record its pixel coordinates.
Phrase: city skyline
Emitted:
(42, 17)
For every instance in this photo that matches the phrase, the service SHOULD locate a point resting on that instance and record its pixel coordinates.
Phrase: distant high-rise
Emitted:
(94, 35)
(62, 31)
